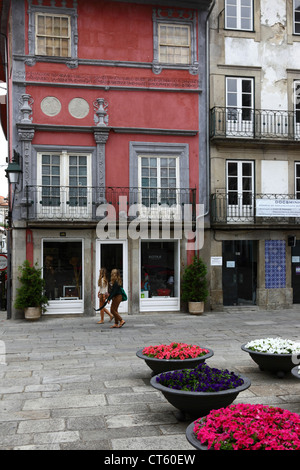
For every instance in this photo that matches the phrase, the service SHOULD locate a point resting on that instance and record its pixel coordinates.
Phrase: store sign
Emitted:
(3, 262)
(278, 207)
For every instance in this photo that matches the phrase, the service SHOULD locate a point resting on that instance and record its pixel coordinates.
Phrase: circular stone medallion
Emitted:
(79, 108)
(51, 106)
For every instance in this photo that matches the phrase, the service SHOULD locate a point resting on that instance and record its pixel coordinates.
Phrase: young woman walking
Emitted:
(103, 294)
(116, 297)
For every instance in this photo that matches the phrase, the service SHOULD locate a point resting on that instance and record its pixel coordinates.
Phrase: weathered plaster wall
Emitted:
(266, 53)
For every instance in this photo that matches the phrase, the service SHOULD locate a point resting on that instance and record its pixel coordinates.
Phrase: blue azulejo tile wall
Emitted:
(275, 268)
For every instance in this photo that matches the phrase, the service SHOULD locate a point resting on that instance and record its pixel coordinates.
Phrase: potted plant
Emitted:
(273, 354)
(165, 357)
(195, 392)
(246, 427)
(194, 287)
(30, 295)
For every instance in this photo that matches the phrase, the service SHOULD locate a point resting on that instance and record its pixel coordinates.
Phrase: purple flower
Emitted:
(201, 379)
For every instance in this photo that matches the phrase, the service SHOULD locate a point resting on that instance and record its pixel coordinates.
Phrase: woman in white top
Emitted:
(103, 294)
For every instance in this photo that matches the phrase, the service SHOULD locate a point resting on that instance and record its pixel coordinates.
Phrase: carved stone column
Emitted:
(25, 137)
(101, 137)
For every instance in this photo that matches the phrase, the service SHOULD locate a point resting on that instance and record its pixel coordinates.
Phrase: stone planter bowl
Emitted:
(164, 365)
(281, 364)
(197, 404)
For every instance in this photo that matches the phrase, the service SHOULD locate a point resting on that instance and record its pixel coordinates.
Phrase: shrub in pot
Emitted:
(194, 286)
(30, 295)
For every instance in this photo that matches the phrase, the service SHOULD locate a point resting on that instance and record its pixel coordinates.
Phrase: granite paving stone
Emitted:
(71, 384)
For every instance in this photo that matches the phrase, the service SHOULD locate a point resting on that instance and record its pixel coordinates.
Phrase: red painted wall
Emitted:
(134, 95)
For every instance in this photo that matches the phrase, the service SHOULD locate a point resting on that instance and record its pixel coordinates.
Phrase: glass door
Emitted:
(240, 195)
(239, 272)
(112, 254)
(239, 107)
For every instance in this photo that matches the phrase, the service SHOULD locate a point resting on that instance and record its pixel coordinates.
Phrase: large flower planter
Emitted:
(192, 438)
(244, 426)
(164, 365)
(195, 404)
(281, 364)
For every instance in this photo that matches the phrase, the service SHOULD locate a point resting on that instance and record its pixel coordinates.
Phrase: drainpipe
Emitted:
(207, 104)
(207, 120)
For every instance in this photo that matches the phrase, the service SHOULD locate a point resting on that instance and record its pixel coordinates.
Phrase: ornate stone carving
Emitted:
(100, 116)
(25, 103)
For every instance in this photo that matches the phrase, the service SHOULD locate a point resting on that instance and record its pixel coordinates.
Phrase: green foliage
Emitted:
(194, 285)
(31, 291)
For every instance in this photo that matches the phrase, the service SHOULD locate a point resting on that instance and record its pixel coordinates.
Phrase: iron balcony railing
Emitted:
(82, 203)
(259, 209)
(250, 123)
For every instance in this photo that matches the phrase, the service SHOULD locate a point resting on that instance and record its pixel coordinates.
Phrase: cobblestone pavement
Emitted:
(68, 383)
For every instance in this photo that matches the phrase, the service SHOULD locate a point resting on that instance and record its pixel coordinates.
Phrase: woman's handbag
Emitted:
(124, 296)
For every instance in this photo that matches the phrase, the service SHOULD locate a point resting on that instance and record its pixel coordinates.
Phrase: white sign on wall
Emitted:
(278, 207)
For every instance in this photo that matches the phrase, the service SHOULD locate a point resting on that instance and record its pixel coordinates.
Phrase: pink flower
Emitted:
(249, 427)
(175, 350)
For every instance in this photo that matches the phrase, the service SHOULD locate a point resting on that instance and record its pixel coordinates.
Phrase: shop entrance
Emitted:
(113, 255)
(296, 272)
(239, 272)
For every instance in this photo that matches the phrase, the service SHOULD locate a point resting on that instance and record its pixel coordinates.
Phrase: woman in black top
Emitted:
(116, 297)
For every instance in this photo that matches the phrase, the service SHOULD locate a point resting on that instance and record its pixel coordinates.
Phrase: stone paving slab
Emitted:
(70, 384)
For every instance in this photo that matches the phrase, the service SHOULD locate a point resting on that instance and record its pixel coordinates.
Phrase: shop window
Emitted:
(159, 272)
(62, 270)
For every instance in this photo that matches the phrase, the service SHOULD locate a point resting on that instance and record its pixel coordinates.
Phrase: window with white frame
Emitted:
(174, 43)
(296, 10)
(239, 14)
(240, 188)
(158, 180)
(63, 183)
(53, 35)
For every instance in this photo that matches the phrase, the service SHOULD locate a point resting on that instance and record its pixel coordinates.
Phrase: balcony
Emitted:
(260, 124)
(91, 204)
(255, 209)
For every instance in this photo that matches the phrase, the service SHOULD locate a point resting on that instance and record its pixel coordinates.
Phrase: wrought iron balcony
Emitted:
(91, 204)
(254, 123)
(258, 209)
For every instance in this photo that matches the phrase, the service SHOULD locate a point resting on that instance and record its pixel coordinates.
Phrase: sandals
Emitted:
(118, 326)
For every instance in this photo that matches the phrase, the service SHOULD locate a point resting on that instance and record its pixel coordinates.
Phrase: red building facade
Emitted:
(107, 117)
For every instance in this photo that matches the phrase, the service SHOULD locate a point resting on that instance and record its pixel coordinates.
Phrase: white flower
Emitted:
(274, 346)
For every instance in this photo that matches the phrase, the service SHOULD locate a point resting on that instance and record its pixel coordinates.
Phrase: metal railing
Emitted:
(258, 209)
(254, 123)
(81, 203)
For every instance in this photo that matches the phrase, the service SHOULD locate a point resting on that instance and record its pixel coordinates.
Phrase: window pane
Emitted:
(232, 169)
(245, 23)
(53, 35)
(158, 269)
